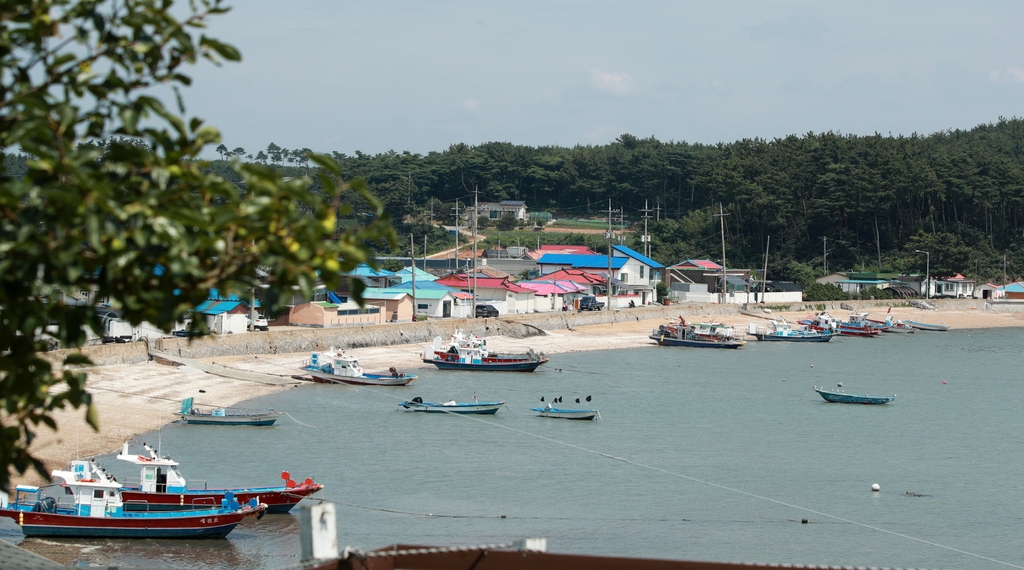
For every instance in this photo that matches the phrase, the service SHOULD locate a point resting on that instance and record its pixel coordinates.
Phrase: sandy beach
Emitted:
(135, 399)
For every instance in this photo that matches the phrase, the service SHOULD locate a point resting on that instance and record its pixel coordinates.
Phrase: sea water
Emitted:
(717, 455)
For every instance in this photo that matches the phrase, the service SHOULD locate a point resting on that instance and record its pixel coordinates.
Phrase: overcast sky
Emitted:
(419, 76)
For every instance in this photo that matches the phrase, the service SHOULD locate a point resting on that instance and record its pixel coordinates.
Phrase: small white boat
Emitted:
(551, 412)
(451, 407)
(336, 367)
(927, 326)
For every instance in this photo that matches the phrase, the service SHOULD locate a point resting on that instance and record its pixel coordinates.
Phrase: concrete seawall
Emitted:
(293, 339)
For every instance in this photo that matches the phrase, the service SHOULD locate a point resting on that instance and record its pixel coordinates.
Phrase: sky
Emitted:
(419, 76)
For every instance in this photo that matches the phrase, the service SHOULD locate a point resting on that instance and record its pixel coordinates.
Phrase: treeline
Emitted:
(822, 200)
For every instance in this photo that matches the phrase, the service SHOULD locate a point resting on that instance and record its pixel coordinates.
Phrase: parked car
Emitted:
(486, 311)
(590, 303)
(261, 323)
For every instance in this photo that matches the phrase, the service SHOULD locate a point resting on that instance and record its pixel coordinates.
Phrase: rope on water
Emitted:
(298, 422)
(722, 487)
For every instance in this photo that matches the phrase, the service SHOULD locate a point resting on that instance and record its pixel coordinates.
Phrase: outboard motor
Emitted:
(418, 400)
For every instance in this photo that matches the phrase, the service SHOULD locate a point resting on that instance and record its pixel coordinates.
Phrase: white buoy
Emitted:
(876, 487)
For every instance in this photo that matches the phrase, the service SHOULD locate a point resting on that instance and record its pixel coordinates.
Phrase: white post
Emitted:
(319, 532)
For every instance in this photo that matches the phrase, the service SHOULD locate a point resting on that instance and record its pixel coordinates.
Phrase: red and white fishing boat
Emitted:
(162, 488)
(93, 507)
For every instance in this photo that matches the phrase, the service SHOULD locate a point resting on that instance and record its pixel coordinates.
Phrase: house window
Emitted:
(624, 277)
(494, 214)
(422, 306)
(641, 272)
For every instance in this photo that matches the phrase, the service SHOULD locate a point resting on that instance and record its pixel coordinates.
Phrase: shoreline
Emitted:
(134, 399)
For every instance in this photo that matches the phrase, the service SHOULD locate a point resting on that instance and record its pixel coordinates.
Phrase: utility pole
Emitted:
(764, 276)
(646, 239)
(424, 254)
(476, 214)
(824, 254)
(721, 216)
(610, 236)
(412, 269)
(658, 209)
(457, 232)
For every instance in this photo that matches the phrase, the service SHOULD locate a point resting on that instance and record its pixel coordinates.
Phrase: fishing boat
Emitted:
(161, 487)
(191, 414)
(548, 411)
(700, 335)
(782, 331)
(93, 507)
(823, 322)
(840, 397)
(927, 326)
(451, 407)
(336, 367)
(470, 352)
(892, 326)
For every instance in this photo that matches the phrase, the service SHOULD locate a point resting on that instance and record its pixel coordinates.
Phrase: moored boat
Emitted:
(823, 322)
(782, 331)
(840, 397)
(451, 407)
(336, 367)
(94, 508)
(927, 326)
(161, 487)
(700, 335)
(548, 411)
(191, 414)
(470, 352)
(892, 326)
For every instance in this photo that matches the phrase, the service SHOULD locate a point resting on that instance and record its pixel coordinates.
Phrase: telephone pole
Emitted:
(721, 216)
(476, 214)
(646, 239)
(457, 232)
(610, 235)
(412, 269)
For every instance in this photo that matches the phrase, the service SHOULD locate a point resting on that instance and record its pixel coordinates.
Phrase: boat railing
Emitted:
(138, 502)
(204, 501)
(193, 485)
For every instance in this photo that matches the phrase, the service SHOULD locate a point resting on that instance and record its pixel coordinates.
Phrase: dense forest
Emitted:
(823, 200)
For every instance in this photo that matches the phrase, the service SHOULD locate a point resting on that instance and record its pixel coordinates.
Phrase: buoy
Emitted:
(803, 521)
(943, 381)
(876, 487)
(812, 366)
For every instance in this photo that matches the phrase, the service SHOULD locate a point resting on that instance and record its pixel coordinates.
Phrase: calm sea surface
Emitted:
(727, 451)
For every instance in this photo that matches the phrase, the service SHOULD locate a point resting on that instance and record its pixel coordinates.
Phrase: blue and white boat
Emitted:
(192, 414)
(927, 326)
(336, 367)
(451, 407)
(93, 507)
(840, 397)
(782, 331)
(548, 411)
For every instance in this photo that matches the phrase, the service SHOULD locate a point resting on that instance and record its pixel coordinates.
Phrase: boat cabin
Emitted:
(337, 363)
(95, 493)
(462, 348)
(158, 475)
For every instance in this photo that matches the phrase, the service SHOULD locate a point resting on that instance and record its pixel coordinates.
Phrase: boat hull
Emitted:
(240, 420)
(793, 337)
(130, 525)
(927, 326)
(466, 408)
(364, 380)
(278, 499)
(664, 340)
(491, 365)
(565, 414)
(843, 398)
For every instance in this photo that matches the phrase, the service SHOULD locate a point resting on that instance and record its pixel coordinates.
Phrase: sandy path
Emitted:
(134, 399)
